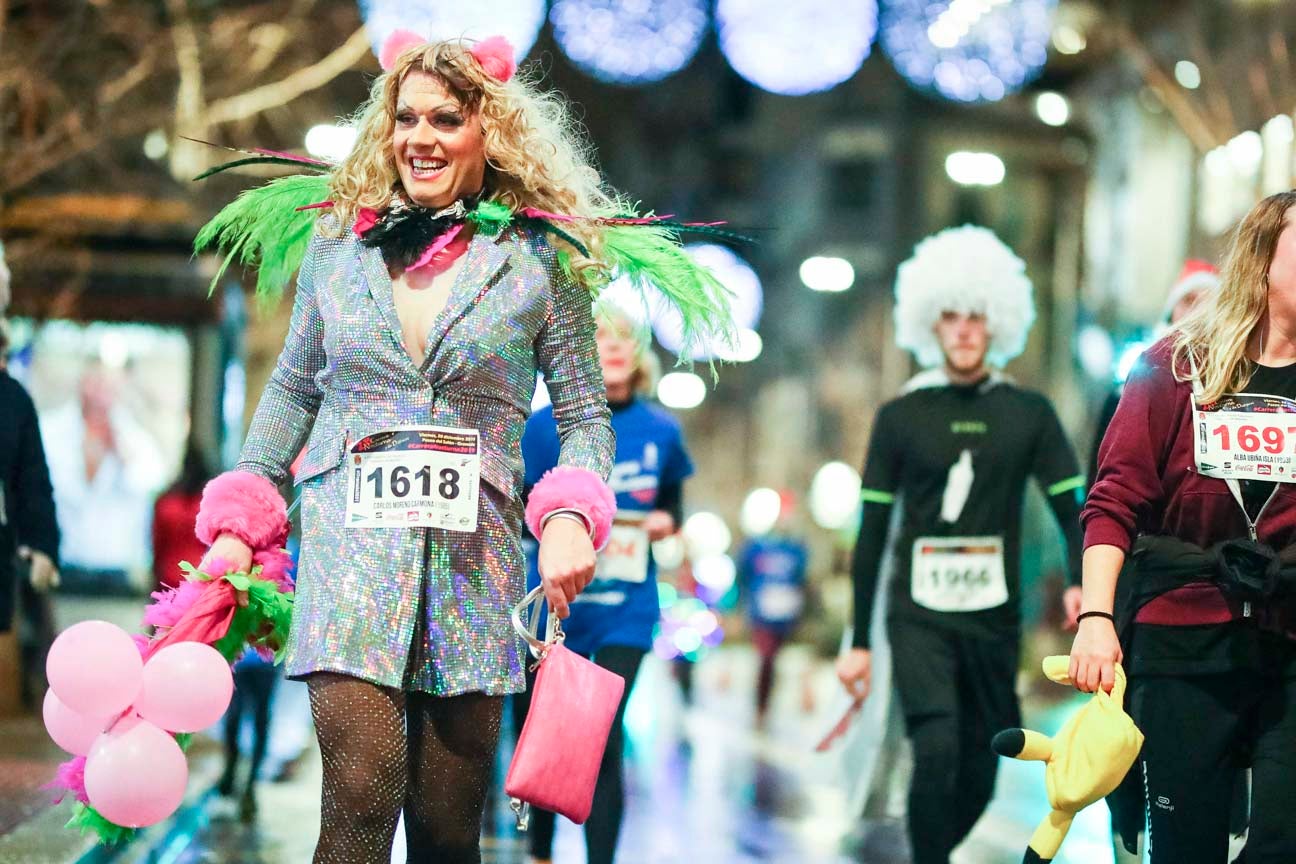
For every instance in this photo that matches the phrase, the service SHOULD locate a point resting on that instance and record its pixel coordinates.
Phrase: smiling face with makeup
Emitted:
(438, 146)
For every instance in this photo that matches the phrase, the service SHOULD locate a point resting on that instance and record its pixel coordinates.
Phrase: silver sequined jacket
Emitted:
(417, 608)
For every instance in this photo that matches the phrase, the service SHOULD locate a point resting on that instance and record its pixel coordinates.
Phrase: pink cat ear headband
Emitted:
(494, 55)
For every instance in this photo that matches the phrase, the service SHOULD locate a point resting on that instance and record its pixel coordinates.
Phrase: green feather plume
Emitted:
(265, 228)
(651, 256)
(491, 217)
(86, 818)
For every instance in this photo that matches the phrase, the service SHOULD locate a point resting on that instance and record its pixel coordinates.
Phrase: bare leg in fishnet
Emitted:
(451, 752)
(370, 771)
(361, 730)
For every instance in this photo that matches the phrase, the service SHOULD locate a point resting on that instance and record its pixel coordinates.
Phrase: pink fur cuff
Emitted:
(568, 487)
(245, 505)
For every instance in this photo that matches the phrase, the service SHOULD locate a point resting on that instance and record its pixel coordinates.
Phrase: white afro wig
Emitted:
(966, 269)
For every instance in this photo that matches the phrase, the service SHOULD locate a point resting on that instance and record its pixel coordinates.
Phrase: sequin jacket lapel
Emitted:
(417, 608)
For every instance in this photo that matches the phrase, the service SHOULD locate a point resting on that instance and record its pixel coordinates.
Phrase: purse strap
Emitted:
(526, 621)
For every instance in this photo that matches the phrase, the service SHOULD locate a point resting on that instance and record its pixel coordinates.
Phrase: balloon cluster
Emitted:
(122, 713)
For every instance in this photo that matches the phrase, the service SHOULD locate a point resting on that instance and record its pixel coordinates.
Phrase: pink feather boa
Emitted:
(245, 505)
(277, 567)
(568, 487)
(69, 779)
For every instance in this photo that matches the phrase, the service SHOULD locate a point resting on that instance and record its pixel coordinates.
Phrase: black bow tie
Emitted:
(404, 231)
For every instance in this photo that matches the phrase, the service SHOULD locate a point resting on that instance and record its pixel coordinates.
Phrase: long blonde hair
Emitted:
(536, 153)
(1213, 338)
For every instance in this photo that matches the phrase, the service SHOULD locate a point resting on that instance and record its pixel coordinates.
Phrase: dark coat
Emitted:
(26, 497)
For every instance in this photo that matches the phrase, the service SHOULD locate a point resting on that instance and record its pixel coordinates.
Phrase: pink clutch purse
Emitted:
(574, 701)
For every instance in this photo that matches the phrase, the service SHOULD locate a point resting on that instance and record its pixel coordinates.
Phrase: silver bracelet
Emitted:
(568, 513)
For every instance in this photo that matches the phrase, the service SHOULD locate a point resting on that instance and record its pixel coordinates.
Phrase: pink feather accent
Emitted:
(308, 160)
(430, 253)
(366, 219)
(170, 605)
(397, 44)
(69, 779)
(245, 505)
(495, 55)
(141, 642)
(536, 213)
(277, 567)
(574, 488)
(323, 205)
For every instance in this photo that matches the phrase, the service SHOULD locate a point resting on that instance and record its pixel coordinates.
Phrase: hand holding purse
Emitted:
(573, 703)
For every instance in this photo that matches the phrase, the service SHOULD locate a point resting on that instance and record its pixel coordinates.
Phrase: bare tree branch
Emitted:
(1195, 125)
(285, 90)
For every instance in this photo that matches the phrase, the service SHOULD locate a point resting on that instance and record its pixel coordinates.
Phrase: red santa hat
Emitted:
(1196, 275)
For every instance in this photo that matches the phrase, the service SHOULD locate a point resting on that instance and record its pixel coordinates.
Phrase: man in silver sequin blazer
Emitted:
(431, 296)
(422, 608)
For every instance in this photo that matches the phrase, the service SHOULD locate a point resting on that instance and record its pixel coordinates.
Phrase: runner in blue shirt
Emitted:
(772, 569)
(612, 621)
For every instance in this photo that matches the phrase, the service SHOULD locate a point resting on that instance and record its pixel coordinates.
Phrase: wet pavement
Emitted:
(704, 784)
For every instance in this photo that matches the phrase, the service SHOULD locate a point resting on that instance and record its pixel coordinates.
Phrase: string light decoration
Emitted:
(795, 47)
(629, 41)
(967, 50)
(519, 21)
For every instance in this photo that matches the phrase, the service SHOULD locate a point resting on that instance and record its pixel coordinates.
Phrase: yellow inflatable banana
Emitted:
(1084, 761)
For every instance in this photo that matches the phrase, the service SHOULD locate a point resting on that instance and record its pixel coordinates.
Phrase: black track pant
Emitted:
(1198, 731)
(254, 685)
(604, 823)
(956, 692)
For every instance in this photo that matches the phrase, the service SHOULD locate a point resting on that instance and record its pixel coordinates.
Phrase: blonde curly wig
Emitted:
(537, 154)
(965, 269)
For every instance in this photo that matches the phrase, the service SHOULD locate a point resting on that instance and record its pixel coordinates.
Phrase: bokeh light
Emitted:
(794, 47)
(707, 534)
(681, 390)
(629, 41)
(760, 511)
(834, 495)
(518, 21)
(968, 50)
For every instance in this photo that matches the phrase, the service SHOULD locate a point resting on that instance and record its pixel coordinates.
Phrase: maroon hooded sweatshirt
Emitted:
(1148, 483)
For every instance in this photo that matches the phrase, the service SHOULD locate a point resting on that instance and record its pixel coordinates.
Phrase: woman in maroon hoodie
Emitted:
(1194, 507)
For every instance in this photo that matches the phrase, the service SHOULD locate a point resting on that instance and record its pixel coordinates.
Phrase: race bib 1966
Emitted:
(1246, 436)
(958, 574)
(414, 477)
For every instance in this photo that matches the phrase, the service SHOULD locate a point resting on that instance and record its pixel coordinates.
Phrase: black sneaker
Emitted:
(226, 784)
(248, 805)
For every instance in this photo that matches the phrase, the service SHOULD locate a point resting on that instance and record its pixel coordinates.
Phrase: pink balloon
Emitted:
(95, 668)
(71, 730)
(135, 774)
(186, 687)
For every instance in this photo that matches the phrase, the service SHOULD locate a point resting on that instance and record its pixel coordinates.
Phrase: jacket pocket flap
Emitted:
(322, 456)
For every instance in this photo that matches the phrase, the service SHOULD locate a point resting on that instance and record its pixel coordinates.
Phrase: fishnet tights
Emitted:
(385, 752)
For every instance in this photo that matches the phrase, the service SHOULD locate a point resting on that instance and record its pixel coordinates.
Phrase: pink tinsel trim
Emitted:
(170, 605)
(245, 505)
(571, 487)
(277, 567)
(396, 45)
(69, 779)
(496, 57)
(446, 238)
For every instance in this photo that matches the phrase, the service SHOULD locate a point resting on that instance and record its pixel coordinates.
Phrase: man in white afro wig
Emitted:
(965, 270)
